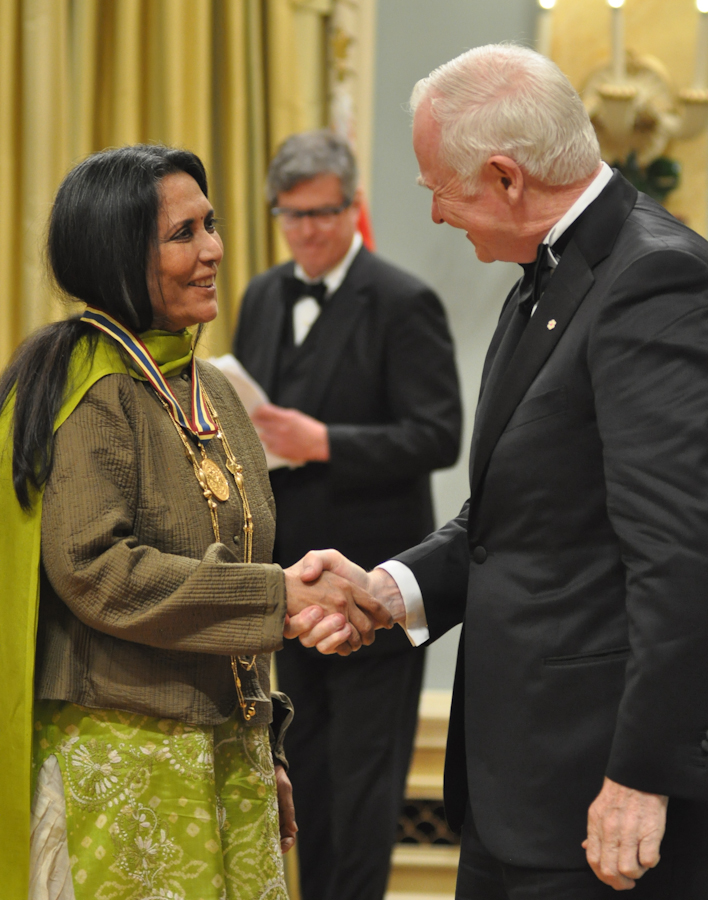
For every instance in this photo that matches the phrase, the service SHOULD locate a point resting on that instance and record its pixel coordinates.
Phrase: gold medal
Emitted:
(216, 480)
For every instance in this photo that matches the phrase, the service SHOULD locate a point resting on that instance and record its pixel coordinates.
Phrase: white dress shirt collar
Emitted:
(591, 192)
(334, 278)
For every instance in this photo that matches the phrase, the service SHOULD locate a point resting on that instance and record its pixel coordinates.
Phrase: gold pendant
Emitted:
(216, 480)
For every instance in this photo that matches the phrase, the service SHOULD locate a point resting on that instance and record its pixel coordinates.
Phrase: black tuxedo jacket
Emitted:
(385, 384)
(579, 565)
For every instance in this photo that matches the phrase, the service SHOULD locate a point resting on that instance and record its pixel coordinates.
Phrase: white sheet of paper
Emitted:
(251, 395)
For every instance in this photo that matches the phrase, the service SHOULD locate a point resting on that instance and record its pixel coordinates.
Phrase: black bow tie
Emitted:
(295, 289)
(536, 276)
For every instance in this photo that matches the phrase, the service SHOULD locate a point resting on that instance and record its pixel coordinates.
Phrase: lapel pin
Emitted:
(551, 324)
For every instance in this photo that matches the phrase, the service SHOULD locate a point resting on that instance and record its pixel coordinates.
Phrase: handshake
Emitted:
(335, 606)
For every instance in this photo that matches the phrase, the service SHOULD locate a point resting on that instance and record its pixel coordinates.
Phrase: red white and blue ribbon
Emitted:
(200, 423)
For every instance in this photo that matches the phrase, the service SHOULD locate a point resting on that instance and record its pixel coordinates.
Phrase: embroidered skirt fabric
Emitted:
(160, 810)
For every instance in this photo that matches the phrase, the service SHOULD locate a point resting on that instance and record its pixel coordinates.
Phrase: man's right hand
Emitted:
(335, 595)
(378, 583)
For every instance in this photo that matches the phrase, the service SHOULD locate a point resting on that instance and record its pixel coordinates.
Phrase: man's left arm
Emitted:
(648, 358)
(419, 379)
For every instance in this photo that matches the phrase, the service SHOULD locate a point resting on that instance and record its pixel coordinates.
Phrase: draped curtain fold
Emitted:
(228, 79)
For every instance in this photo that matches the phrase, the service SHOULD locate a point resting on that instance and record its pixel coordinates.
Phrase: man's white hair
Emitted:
(506, 99)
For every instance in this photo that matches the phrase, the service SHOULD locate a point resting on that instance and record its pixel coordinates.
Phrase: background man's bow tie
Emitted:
(295, 289)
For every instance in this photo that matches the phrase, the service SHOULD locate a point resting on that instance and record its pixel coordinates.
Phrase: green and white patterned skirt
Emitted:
(160, 810)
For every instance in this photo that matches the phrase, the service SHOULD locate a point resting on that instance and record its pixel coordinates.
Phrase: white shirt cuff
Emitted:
(416, 626)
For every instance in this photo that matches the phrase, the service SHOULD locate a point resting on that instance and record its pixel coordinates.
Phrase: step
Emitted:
(396, 895)
(424, 869)
(425, 779)
(433, 716)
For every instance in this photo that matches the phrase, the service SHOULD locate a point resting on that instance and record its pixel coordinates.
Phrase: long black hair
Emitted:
(102, 232)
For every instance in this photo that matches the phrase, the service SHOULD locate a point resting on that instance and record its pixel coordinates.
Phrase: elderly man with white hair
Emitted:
(357, 358)
(577, 751)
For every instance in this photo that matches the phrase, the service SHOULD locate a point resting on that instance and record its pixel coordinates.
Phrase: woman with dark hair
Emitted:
(136, 540)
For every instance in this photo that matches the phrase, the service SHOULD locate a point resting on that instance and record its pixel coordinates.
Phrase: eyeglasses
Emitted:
(324, 217)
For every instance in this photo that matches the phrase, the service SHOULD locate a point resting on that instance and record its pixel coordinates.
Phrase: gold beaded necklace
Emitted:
(214, 484)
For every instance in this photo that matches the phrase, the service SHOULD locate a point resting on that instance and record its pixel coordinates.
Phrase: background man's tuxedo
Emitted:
(580, 563)
(377, 367)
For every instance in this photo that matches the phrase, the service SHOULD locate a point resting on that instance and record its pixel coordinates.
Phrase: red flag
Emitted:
(364, 226)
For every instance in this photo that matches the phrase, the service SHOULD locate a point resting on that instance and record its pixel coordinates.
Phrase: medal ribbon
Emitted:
(200, 423)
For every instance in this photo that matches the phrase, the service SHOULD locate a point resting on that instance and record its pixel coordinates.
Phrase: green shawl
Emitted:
(20, 542)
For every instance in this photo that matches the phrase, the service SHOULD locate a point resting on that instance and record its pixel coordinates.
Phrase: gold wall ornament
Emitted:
(340, 43)
(642, 69)
(643, 112)
(351, 40)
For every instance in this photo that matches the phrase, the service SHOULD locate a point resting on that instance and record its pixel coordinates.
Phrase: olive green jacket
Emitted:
(140, 607)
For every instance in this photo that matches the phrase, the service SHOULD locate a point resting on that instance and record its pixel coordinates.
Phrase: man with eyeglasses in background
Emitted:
(357, 358)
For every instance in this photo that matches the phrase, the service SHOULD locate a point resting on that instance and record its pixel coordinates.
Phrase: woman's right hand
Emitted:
(334, 594)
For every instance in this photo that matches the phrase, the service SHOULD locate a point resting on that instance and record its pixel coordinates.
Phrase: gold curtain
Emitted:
(229, 79)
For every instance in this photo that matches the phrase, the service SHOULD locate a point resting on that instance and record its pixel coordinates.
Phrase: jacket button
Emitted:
(185, 376)
(479, 554)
